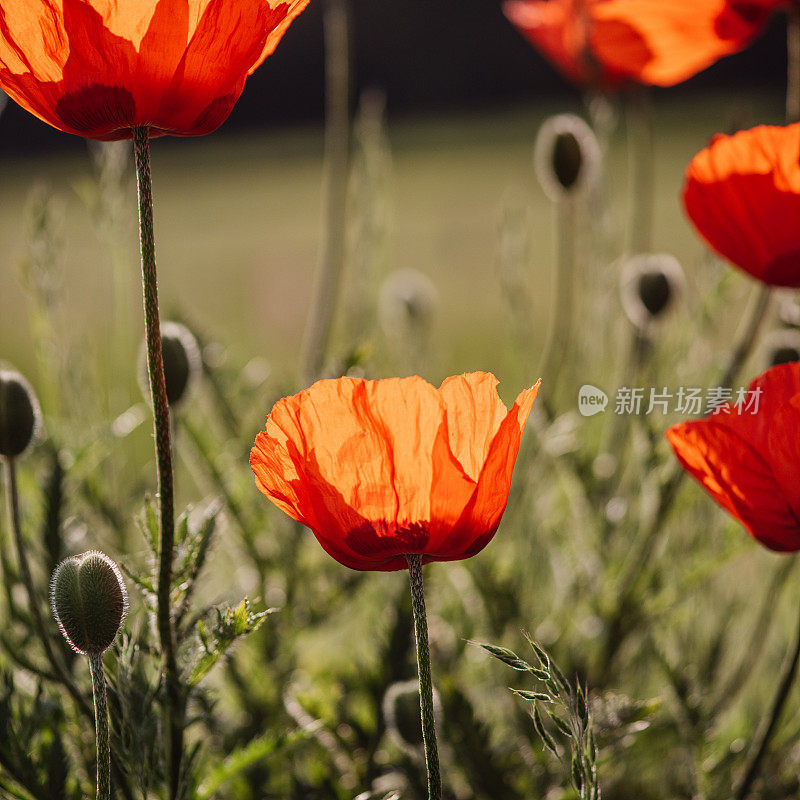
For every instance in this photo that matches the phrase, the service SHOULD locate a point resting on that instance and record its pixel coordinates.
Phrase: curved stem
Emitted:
(425, 680)
(770, 722)
(158, 390)
(337, 165)
(101, 727)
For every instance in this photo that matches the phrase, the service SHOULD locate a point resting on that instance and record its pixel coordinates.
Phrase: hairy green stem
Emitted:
(101, 727)
(337, 164)
(425, 680)
(158, 390)
(770, 722)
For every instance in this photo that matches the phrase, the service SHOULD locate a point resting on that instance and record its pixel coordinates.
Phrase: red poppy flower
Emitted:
(605, 43)
(750, 462)
(381, 469)
(98, 68)
(742, 193)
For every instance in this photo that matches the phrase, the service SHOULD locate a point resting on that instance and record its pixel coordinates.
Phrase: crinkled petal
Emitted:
(742, 193)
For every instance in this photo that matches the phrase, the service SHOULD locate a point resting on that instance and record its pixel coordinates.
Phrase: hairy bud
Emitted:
(401, 711)
(407, 303)
(89, 601)
(783, 346)
(650, 286)
(567, 156)
(182, 362)
(20, 417)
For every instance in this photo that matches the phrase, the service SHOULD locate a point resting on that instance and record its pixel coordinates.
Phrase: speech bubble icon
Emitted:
(591, 400)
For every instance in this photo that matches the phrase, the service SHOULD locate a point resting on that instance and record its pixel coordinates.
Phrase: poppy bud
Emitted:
(20, 417)
(182, 361)
(789, 313)
(401, 711)
(650, 285)
(89, 601)
(408, 301)
(567, 156)
(783, 347)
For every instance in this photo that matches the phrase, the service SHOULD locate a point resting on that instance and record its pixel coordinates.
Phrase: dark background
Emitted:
(428, 56)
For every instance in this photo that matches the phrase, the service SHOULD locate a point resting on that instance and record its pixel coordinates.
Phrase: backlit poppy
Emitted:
(605, 43)
(98, 68)
(750, 462)
(381, 469)
(742, 193)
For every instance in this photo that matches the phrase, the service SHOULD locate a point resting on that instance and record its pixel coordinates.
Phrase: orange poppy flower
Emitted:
(605, 43)
(381, 469)
(98, 68)
(750, 462)
(742, 193)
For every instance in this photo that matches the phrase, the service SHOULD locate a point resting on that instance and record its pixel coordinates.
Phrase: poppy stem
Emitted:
(770, 722)
(337, 167)
(425, 680)
(560, 330)
(793, 58)
(101, 726)
(158, 390)
(640, 143)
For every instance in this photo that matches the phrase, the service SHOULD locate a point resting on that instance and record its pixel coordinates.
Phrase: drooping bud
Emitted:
(783, 346)
(401, 712)
(567, 156)
(89, 601)
(20, 417)
(182, 362)
(407, 303)
(650, 286)
(789, 312)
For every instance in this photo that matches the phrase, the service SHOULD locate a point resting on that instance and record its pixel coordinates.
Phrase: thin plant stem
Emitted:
(651, 529)
(793, 59)
(33, 598)
(640, 143)
(338, 133)
(562, 311)
(101, 727)
(425, 680)
(158, 390)
(770, 722)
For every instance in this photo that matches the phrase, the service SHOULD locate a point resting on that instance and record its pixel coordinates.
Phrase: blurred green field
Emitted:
(238, 223)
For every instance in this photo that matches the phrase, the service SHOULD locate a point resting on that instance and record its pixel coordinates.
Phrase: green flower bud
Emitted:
(182, 362)
(650, 286)
(20, 417)
(89, 601)
(567, 156)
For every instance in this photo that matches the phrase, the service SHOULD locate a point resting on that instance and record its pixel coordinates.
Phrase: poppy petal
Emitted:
(739, 479)
(742, 193)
